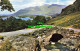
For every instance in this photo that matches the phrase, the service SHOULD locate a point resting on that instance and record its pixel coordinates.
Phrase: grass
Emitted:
(1, 37)
(71, 20)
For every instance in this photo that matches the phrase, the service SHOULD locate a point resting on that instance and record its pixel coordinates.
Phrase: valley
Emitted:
(40, 25)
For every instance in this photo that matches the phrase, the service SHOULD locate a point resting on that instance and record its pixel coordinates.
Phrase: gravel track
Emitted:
(14, 33)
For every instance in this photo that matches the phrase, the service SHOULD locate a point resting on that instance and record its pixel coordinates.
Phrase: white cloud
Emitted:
(58, 1)
(16, 0)
(32, 3)
(70, 2)
(67, 2)
(35, 3)
(39, 3)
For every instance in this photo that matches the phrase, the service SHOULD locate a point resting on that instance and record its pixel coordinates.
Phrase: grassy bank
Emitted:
(71, 20)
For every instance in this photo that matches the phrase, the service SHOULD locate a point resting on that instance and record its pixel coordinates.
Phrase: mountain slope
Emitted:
(71, 20)
(41, 10)
(68, 18)
(75, 7)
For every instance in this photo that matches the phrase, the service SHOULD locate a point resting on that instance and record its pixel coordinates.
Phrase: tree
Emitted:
(6, 5)
(39, 18)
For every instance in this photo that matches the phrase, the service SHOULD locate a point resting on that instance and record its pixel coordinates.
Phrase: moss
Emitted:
(5, 46)
(1, 37)
(20, 34)
(78, 32)
(12, 49)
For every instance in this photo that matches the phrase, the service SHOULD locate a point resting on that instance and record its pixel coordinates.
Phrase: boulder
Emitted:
(24, 44)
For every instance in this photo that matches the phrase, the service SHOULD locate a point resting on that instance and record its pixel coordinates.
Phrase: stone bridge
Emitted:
(56, 32)
(48, 33)
(45, 36)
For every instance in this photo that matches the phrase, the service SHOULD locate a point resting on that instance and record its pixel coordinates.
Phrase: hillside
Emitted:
(71, 20)
(41, 10)
(69, 17)
(75, 7)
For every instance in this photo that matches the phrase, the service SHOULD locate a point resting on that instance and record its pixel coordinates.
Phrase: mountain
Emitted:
(75, 7)
(41, 10)
(69, 17)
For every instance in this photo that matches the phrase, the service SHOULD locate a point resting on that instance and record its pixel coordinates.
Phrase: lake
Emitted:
(25, 18)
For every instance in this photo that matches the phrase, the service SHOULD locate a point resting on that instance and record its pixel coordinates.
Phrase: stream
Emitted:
(57, 46)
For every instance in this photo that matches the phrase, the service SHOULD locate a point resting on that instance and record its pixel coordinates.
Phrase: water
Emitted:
(4, 18)
(25, 18)
(60, 46)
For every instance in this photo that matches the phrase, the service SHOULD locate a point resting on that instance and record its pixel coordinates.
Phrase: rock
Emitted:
(55, 31)
(46, 43)
(78, 32)
(59, 32)
(48, 38)
(55, 50)
(43, 49)
(71, 31)
(43, 36)
(39, 37)
(79, 46)
(24, 44)
(0, 41)
(52, 42)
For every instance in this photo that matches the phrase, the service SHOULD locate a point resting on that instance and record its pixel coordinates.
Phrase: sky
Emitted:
(21, 4)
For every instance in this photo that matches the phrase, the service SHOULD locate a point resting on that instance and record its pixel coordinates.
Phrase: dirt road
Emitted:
(13, 33)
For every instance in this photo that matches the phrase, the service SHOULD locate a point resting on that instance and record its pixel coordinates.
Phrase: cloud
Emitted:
(16, 0)
(31, 4)
(35, 3)
(70, 2)
(21, 4)
(62, 2)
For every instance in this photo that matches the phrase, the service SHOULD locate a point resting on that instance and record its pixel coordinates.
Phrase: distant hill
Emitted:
(41, 10)
(69, 17)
